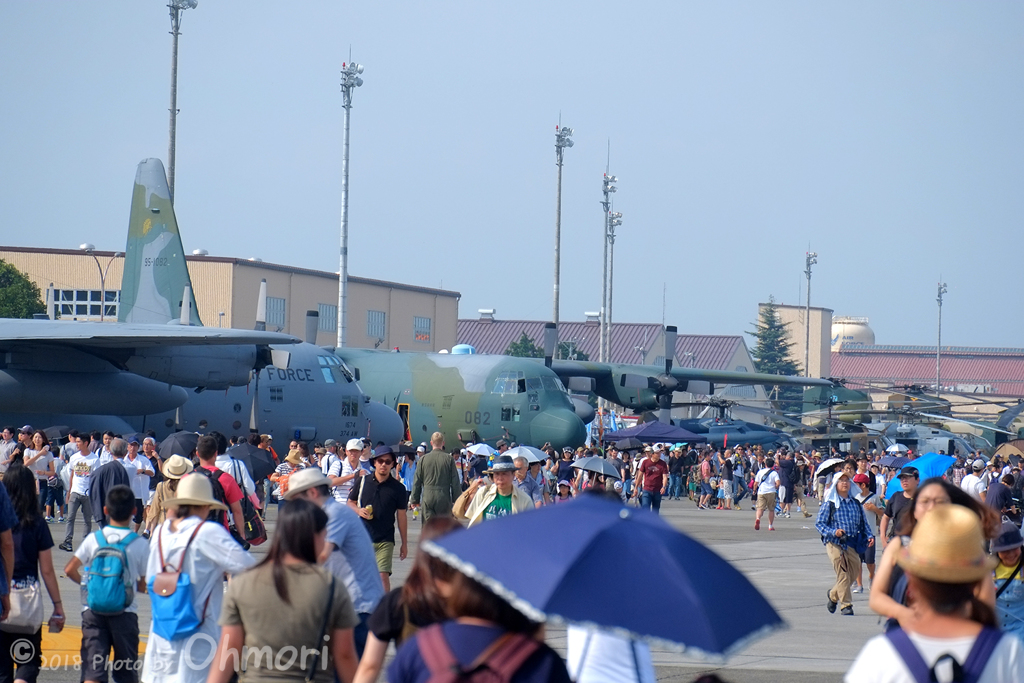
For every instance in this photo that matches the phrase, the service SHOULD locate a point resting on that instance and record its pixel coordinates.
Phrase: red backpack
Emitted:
(496, 664)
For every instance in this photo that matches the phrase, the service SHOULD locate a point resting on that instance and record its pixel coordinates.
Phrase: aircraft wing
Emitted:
(646, 387)
(567, 369)
(129, 335)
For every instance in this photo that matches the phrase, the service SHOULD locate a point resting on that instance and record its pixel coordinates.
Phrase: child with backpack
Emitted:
(110, 565)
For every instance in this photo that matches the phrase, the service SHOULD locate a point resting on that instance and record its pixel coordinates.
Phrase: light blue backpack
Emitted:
(170, 594)
(110, 587)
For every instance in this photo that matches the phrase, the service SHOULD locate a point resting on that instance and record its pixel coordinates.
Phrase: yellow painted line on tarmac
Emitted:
(69, 642)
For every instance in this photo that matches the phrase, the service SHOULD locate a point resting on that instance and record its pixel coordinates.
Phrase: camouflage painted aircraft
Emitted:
(82, 374)
(474, 398)
(313, 391)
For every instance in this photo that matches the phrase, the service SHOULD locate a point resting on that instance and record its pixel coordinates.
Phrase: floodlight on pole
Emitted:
(90, 249)
(350, 80)
(176, 7)
(607, 188)
(938, 344)
(563, 140)
(812, 258)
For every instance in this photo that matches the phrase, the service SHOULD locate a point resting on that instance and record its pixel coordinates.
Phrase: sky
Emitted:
(886, 137)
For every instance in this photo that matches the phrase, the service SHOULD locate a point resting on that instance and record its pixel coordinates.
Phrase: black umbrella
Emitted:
(631, 443)
(179, 443)
(57, 432)
(258, 461)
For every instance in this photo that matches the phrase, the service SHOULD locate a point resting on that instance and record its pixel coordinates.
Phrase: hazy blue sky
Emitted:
(888, 136)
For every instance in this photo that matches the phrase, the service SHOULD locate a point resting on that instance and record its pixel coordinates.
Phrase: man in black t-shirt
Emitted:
(899, 504)
(381, 500)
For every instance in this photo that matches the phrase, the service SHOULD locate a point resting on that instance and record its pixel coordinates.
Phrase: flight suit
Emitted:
(437, 482)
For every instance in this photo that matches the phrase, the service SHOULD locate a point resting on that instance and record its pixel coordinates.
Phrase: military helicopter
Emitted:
(721, 429)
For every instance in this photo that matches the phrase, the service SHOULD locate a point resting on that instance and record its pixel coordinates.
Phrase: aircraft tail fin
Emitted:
(156, 285)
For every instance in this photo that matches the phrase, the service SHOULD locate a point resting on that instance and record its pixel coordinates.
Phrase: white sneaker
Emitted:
(857, 589)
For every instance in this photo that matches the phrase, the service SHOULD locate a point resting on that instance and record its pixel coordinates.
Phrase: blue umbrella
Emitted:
(566, 578)
(928, 465)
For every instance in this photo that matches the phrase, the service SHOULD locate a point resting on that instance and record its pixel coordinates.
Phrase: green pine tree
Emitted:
(19, 296)
(773, 355)
(524, 348)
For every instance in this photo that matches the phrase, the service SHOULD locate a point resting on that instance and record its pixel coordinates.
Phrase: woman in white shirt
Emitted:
(948, 627)
(211, 554)
(39, 459)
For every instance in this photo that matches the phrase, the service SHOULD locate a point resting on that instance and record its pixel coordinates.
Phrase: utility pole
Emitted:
(176, 7)
(563, 139)
(349, 81)
(812, 258)
(607, 187)
(938, 344)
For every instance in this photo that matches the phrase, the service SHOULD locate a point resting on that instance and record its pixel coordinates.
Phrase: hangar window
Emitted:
(275, 311)
(421, 329)
(375, 324)
(86, 303)
(328, 317)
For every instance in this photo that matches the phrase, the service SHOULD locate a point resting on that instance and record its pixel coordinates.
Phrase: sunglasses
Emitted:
(389, 463)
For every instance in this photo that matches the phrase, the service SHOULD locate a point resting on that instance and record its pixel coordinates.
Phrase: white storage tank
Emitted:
(849, 330)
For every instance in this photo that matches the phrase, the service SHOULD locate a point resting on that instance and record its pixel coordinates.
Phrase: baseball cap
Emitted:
(564, 483)
(27, 429)
(421, 449)
(978, 464)
(354, 445)
(909, 471)
(134, 439)
(329, 443)
(861, 479)
(648, 449)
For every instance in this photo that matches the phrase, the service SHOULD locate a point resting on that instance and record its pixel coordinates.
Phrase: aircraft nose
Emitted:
(558, 426)
(385, 423)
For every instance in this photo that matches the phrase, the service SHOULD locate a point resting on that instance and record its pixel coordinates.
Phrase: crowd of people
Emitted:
(178, 528)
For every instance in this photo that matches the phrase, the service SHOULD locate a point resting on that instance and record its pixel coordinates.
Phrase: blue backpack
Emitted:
(170, 594)
(110, 587)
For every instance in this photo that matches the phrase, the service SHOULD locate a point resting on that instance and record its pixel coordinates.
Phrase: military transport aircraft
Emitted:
(310, 392)
(483, 398)
(83, 374)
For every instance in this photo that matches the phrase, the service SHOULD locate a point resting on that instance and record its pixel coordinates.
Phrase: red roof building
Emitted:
(963, 368)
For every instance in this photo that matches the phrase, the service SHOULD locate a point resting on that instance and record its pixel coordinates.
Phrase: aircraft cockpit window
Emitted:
(345, 369)
(534, 384)
(552, 384)
(511, 382)
(328, 375)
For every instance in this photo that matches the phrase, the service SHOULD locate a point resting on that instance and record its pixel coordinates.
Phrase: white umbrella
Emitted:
(481, 449)
(531, 454)
(897, 448)
(827, 466)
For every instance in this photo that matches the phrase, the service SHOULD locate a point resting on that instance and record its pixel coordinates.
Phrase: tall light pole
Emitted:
(176, 7)
(607, 187)
(349, 81)
(938, 345)
(614, 221)
(91, 251)
(563, 139)
(812, 258)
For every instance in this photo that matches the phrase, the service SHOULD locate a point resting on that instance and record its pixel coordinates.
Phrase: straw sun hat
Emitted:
(176, 467)
(194, 489)
(947, 546)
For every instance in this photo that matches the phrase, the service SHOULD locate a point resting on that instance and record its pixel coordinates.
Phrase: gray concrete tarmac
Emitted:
(788, 565)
